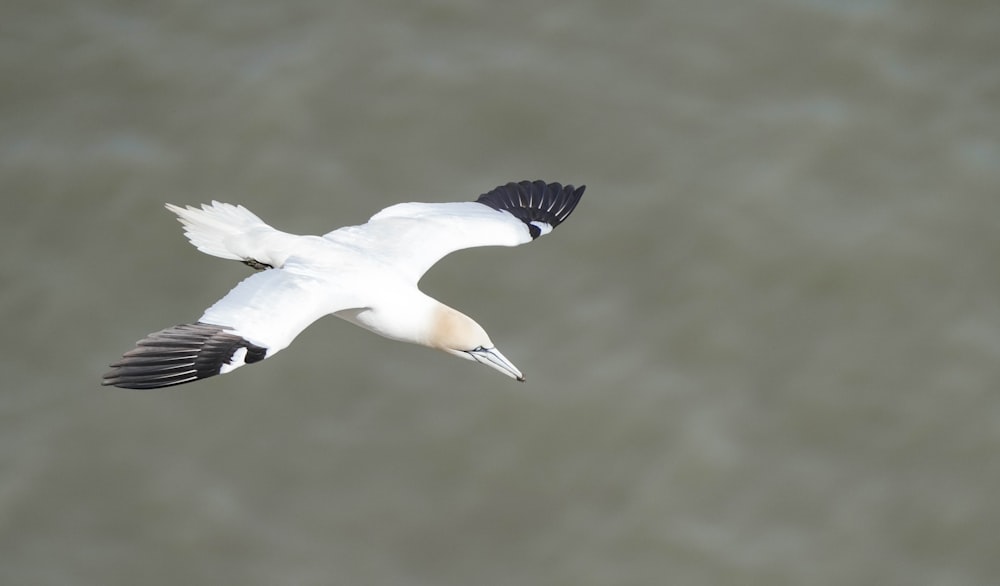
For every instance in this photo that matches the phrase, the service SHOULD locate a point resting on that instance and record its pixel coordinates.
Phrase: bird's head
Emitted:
(459, 335)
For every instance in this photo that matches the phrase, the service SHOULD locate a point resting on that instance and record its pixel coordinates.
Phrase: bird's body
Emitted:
(365, 274)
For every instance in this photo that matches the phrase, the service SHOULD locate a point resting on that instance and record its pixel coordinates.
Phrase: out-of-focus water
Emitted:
(765, 349)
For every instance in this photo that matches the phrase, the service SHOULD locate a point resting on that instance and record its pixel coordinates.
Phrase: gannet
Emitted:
(367, 275)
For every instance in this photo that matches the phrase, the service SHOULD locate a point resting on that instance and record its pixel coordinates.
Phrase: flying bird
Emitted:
(365, 274)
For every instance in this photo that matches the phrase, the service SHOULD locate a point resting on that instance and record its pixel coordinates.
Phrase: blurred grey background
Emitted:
(764, 350)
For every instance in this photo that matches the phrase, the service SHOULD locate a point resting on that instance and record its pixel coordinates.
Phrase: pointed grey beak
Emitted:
(494, 359)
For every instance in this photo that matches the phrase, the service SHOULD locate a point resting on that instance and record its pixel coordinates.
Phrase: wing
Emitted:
(411, 237)
(259, 317)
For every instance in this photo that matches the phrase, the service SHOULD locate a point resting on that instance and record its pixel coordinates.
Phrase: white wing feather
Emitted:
(272, 307)
(411, 237)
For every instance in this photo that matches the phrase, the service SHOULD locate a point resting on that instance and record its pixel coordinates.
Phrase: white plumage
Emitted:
(365, 274)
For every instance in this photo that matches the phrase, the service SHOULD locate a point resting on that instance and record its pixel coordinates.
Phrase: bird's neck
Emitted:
(417, 318)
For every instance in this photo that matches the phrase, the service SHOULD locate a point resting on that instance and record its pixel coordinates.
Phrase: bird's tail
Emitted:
(230, 231)
(213, 228)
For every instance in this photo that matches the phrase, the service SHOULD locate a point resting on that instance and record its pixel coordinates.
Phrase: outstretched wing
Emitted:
(259, 317)
(411, 237)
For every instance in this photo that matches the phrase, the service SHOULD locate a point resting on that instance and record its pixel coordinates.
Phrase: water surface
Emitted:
(763, 351)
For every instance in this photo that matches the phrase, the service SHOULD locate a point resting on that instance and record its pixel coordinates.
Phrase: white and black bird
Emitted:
(365, 274)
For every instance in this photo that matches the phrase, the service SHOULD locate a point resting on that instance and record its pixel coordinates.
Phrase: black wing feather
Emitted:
(178, 355)
(534, 201)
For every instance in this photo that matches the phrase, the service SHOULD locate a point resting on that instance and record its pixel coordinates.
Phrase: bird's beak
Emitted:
(494, 359)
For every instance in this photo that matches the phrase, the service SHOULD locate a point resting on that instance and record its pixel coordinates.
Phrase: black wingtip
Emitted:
(535, 202)
(179, 355)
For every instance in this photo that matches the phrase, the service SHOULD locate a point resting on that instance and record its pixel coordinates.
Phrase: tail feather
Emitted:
(233, 232)
(212, 228)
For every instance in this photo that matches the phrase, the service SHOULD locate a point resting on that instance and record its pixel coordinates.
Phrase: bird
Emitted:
(366, 274)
